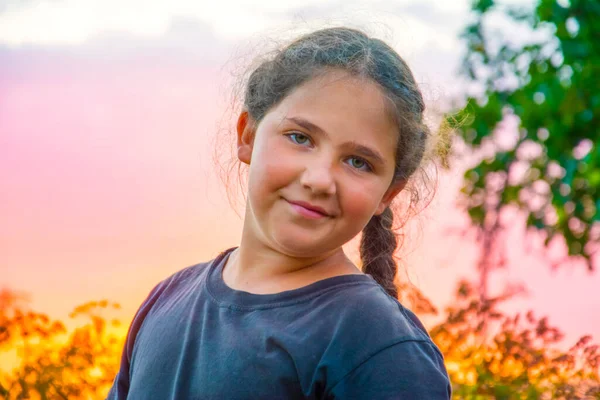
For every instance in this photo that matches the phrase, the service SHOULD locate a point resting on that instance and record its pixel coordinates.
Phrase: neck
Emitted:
(261, 267)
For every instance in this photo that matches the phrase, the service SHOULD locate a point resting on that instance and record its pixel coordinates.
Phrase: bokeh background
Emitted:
(110, 113)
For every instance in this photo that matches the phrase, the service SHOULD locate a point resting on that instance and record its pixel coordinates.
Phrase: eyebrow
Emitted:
(360, 149)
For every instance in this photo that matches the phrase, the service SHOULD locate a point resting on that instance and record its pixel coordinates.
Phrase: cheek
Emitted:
(271, 169)
(359, 202)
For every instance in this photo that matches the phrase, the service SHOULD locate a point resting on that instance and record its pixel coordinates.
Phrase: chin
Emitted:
(302, 246)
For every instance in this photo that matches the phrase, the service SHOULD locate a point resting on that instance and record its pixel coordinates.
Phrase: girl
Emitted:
(332, 129)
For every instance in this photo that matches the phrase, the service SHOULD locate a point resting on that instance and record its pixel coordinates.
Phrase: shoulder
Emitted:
(372, 311)
(408, 369)
(168, 290)
(186, 278)
(386, 346)
(158, 295)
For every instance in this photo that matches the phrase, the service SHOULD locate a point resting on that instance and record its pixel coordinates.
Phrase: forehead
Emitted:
(346, 107)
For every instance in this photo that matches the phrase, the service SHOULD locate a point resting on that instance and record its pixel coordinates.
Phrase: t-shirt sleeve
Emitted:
(407, 370)
(120, 386)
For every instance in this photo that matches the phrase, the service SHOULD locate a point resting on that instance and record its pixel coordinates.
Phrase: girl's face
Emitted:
(329, 145)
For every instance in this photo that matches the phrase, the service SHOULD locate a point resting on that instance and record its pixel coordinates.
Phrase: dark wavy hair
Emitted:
(359, 55)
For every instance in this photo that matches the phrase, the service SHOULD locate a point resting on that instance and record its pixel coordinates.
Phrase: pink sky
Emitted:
(107, 187)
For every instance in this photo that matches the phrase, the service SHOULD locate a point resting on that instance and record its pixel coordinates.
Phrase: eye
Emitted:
(298, 138)
(359, 163)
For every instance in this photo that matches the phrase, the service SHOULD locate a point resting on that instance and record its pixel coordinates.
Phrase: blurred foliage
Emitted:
(519, 361)
(537, 69)
(81, 367)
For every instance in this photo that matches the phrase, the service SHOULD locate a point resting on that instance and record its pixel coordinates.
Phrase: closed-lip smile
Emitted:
(311, 207)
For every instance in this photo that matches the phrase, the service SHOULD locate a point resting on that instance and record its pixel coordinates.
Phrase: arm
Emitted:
(406, 370)
(120, 386)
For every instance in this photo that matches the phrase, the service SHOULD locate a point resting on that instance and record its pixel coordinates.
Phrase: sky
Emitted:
(109, 117)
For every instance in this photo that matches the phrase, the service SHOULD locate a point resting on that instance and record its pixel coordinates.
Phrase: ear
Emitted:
(245, 137)
(389, 195)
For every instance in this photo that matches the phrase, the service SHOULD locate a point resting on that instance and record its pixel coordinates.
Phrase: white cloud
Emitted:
(74, 21)
(424, 32)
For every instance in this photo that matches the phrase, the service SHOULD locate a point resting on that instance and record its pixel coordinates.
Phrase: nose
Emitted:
(319, 178)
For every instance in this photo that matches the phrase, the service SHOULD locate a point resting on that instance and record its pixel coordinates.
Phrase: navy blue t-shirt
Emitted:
(343, 337)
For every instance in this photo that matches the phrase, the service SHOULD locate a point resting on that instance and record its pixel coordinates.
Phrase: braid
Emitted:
(377, 247)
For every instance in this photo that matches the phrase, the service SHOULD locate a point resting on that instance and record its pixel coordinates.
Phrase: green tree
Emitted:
(539, 73)
(532, 124)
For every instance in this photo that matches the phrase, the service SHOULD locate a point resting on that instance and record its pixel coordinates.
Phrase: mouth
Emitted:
(308, 210)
